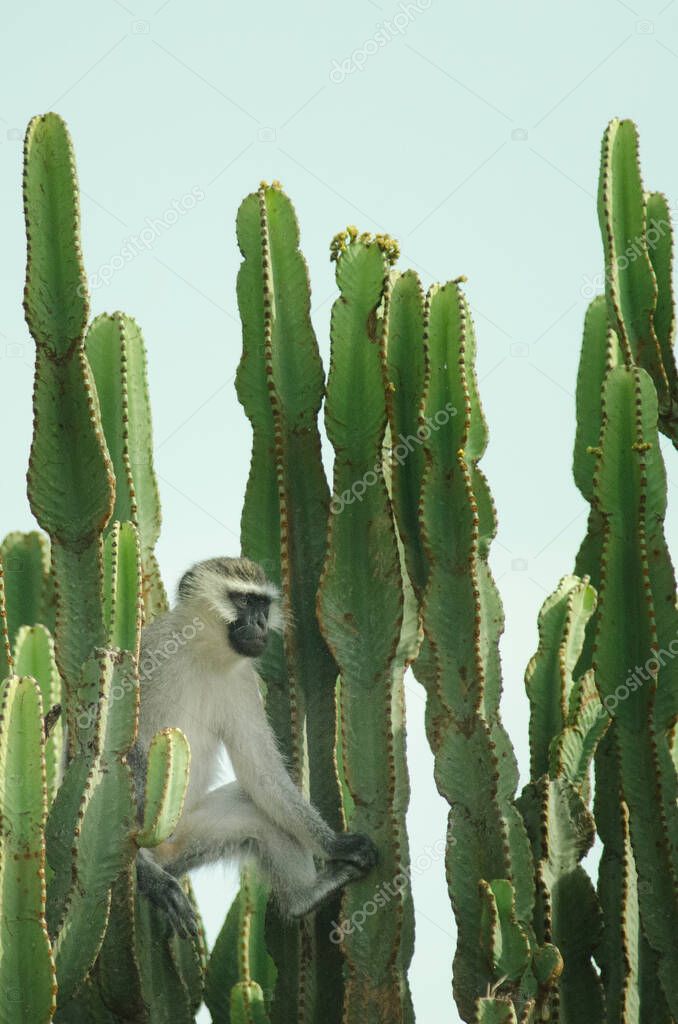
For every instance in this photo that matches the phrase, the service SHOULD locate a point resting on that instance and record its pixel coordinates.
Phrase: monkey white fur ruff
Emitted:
(197, 673)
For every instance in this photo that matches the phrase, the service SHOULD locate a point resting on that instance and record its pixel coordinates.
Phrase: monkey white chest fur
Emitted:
(177, 653)
(197, 673)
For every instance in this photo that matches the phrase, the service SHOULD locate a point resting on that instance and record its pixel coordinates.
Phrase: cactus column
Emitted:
(361, 612)
(115, 351)
(71, 489)
(27, 973)
(280, 384)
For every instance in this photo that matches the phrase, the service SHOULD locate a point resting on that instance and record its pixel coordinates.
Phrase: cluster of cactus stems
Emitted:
(385, 570)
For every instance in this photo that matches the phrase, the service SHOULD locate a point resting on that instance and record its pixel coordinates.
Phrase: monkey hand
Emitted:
(356, 849)
(176, 904)
(163, 890)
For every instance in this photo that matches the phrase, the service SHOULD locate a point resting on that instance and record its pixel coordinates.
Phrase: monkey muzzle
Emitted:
(249, 632)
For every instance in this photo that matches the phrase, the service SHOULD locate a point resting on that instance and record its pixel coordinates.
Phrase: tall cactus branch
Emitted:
(71, 490)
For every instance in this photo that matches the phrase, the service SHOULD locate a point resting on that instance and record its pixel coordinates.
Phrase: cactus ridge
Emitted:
(116, 352)
(6, 663)
(169, 758)
(280, 382)
(27, 969)
(363, 634)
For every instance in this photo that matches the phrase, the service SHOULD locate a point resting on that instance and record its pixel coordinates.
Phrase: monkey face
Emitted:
(248, 632)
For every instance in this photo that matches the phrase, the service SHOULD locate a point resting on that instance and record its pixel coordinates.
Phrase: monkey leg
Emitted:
(226, 823)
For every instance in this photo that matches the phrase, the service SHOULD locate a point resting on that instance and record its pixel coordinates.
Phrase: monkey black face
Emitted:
(249, 631)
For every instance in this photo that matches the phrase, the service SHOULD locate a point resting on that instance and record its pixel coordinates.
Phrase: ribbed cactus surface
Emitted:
(280, 383)
(27, 972)
(362, 625)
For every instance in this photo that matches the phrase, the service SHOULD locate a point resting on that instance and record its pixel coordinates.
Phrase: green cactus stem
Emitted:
(164, 990)
(462, 621)
(116, 353)
(637, 620)
(567, 721)
(27, 972)
(34, 656)
(5, 646)
(70, 487)
(117, 972)
(636, 231)
(495, 1011)
(362, 624)
(239, 953)
(280, 385)
(29, 583)
(406, 378)
(625, 960)
(168, 764)
(123, 587)
(91, 822)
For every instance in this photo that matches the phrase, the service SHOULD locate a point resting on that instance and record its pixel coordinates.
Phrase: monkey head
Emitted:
(236, 592)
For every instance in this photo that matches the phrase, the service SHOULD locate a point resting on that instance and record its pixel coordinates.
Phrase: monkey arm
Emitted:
(261, 771)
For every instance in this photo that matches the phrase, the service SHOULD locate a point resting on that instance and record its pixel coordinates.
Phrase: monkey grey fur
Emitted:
(197, 673)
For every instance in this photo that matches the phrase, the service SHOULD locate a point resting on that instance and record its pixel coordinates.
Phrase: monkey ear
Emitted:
(186, 584)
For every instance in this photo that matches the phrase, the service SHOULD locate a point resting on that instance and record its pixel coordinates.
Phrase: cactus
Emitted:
(70, 490)
(5, 646)
(487, 839)
(166, 781)
(34, 656)
(392, 571)
(116, 354)
(280, 385)
(27, 647)
(637, 266)
(637, 330)
(123, 587)
(28, 581)
(635, 622)
(247, 1004)
(495, 1011)
(567, 721)
(89, 831)
(98, 593)
(364, 631)
(239, 954)
(27, 972)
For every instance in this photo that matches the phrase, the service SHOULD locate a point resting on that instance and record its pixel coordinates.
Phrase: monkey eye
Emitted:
(240, 600)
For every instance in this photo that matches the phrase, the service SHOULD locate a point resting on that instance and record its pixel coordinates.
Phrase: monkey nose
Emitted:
(261, 620)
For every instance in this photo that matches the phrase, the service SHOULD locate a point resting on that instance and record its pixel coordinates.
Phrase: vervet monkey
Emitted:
(197, 672)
